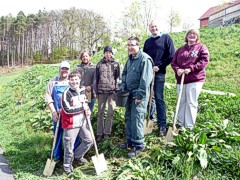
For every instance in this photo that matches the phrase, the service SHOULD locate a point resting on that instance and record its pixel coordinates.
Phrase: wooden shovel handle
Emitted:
(55, 136)
(178, 101)
(91, 130)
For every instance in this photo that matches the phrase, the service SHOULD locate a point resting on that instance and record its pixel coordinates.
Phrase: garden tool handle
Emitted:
(55, 136)
(178, 101)
(91, 130)
(151, 95)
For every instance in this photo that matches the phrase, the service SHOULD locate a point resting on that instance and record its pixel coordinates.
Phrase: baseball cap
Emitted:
(64, 64)
(108, 48)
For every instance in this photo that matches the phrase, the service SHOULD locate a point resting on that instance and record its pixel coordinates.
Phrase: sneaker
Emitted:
(68, 170)
(99, 138)
(135, 152)
(162, 131)
(82, 161)
(125, 146)
(106, 136)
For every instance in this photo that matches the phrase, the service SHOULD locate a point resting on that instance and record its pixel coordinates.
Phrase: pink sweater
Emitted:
(195, 57)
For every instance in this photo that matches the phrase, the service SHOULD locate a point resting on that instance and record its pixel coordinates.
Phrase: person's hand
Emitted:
(85, 107)
(180, 71)
(88, 88)
(55, 116)
(88, 113)
(187, 71)
(138, 101)
(155, 68)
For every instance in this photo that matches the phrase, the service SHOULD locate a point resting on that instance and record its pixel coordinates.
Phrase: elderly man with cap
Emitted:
(107, 75)
(54, 91)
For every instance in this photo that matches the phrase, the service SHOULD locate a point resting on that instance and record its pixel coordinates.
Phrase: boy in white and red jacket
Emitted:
(74, 122)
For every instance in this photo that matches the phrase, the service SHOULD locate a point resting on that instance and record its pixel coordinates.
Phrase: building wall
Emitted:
(221, 17)
(203, 22)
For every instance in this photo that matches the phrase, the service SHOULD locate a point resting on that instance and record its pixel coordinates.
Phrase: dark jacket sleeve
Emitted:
(168, 53)
(123, 85)
(96, 76)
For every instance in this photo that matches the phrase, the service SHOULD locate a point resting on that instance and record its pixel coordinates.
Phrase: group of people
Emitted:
(71, 97)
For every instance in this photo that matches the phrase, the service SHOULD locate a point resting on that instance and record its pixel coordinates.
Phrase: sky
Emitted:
(190, 10)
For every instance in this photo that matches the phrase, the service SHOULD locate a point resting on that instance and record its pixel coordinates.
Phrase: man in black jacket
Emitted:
(160, 48)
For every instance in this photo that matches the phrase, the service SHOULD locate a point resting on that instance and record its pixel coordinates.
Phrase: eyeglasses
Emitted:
(132, 45)
(192, 33)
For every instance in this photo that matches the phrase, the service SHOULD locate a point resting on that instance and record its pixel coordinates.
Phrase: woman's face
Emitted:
(192, 37)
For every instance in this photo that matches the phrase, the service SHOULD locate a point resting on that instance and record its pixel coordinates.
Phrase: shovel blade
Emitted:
(100, 163)
(148, 126)
(169, 136)
(49, 167)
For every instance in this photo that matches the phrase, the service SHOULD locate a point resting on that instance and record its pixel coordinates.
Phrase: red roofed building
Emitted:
(205, 17)
(225, 14)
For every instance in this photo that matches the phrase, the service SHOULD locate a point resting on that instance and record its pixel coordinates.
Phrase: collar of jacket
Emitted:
(82, 64)
(137, 55)
(78, 90)
(105, 60)
(159, 35)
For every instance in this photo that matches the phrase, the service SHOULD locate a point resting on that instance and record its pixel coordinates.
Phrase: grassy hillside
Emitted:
(210, 151)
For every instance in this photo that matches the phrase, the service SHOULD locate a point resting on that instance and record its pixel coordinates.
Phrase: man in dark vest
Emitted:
(107, 76)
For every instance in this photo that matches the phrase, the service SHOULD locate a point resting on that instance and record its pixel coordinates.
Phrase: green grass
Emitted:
(26, 129)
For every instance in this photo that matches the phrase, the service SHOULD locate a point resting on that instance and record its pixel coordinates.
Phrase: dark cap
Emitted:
(108, 48)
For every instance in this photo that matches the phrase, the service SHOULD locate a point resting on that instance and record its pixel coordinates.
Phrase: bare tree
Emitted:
(174, 19)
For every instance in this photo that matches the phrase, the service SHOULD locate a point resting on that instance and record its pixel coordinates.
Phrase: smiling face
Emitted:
(153, 28)
(85, 58)
(74, 81)
(108, 55)
(64, 72)
(192, 37)
(133, 47)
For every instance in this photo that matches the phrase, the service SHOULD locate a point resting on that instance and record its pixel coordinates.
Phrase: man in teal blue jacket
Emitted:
(136, 78)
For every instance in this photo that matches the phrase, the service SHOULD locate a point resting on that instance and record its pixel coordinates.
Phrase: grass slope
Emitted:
(211, 151)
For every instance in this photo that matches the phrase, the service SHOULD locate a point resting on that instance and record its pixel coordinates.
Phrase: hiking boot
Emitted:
(125, 146)
(99, 138)
(106, 136)
(162, 131)
(135, 152)
(82, 161)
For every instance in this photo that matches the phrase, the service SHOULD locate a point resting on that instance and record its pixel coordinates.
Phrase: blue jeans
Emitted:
(91, 106)
(158, 103)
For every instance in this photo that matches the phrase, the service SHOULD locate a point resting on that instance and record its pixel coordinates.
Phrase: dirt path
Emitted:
(5, 171)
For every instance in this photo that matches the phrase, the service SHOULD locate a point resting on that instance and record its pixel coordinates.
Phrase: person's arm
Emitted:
(96, 77)
(124, 76)
(145, 80)
(202, 60)
(49, 100)
(168, 53)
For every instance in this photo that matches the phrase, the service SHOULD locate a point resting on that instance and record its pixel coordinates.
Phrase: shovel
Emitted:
(50, 164)
(148, 123)
(173, 130)
(89, 96)
(99, 161)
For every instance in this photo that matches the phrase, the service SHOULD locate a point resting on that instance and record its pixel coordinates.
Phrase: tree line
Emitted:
(49, 36)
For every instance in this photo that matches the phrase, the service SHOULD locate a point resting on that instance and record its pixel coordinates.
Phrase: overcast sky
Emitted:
(189, 10)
